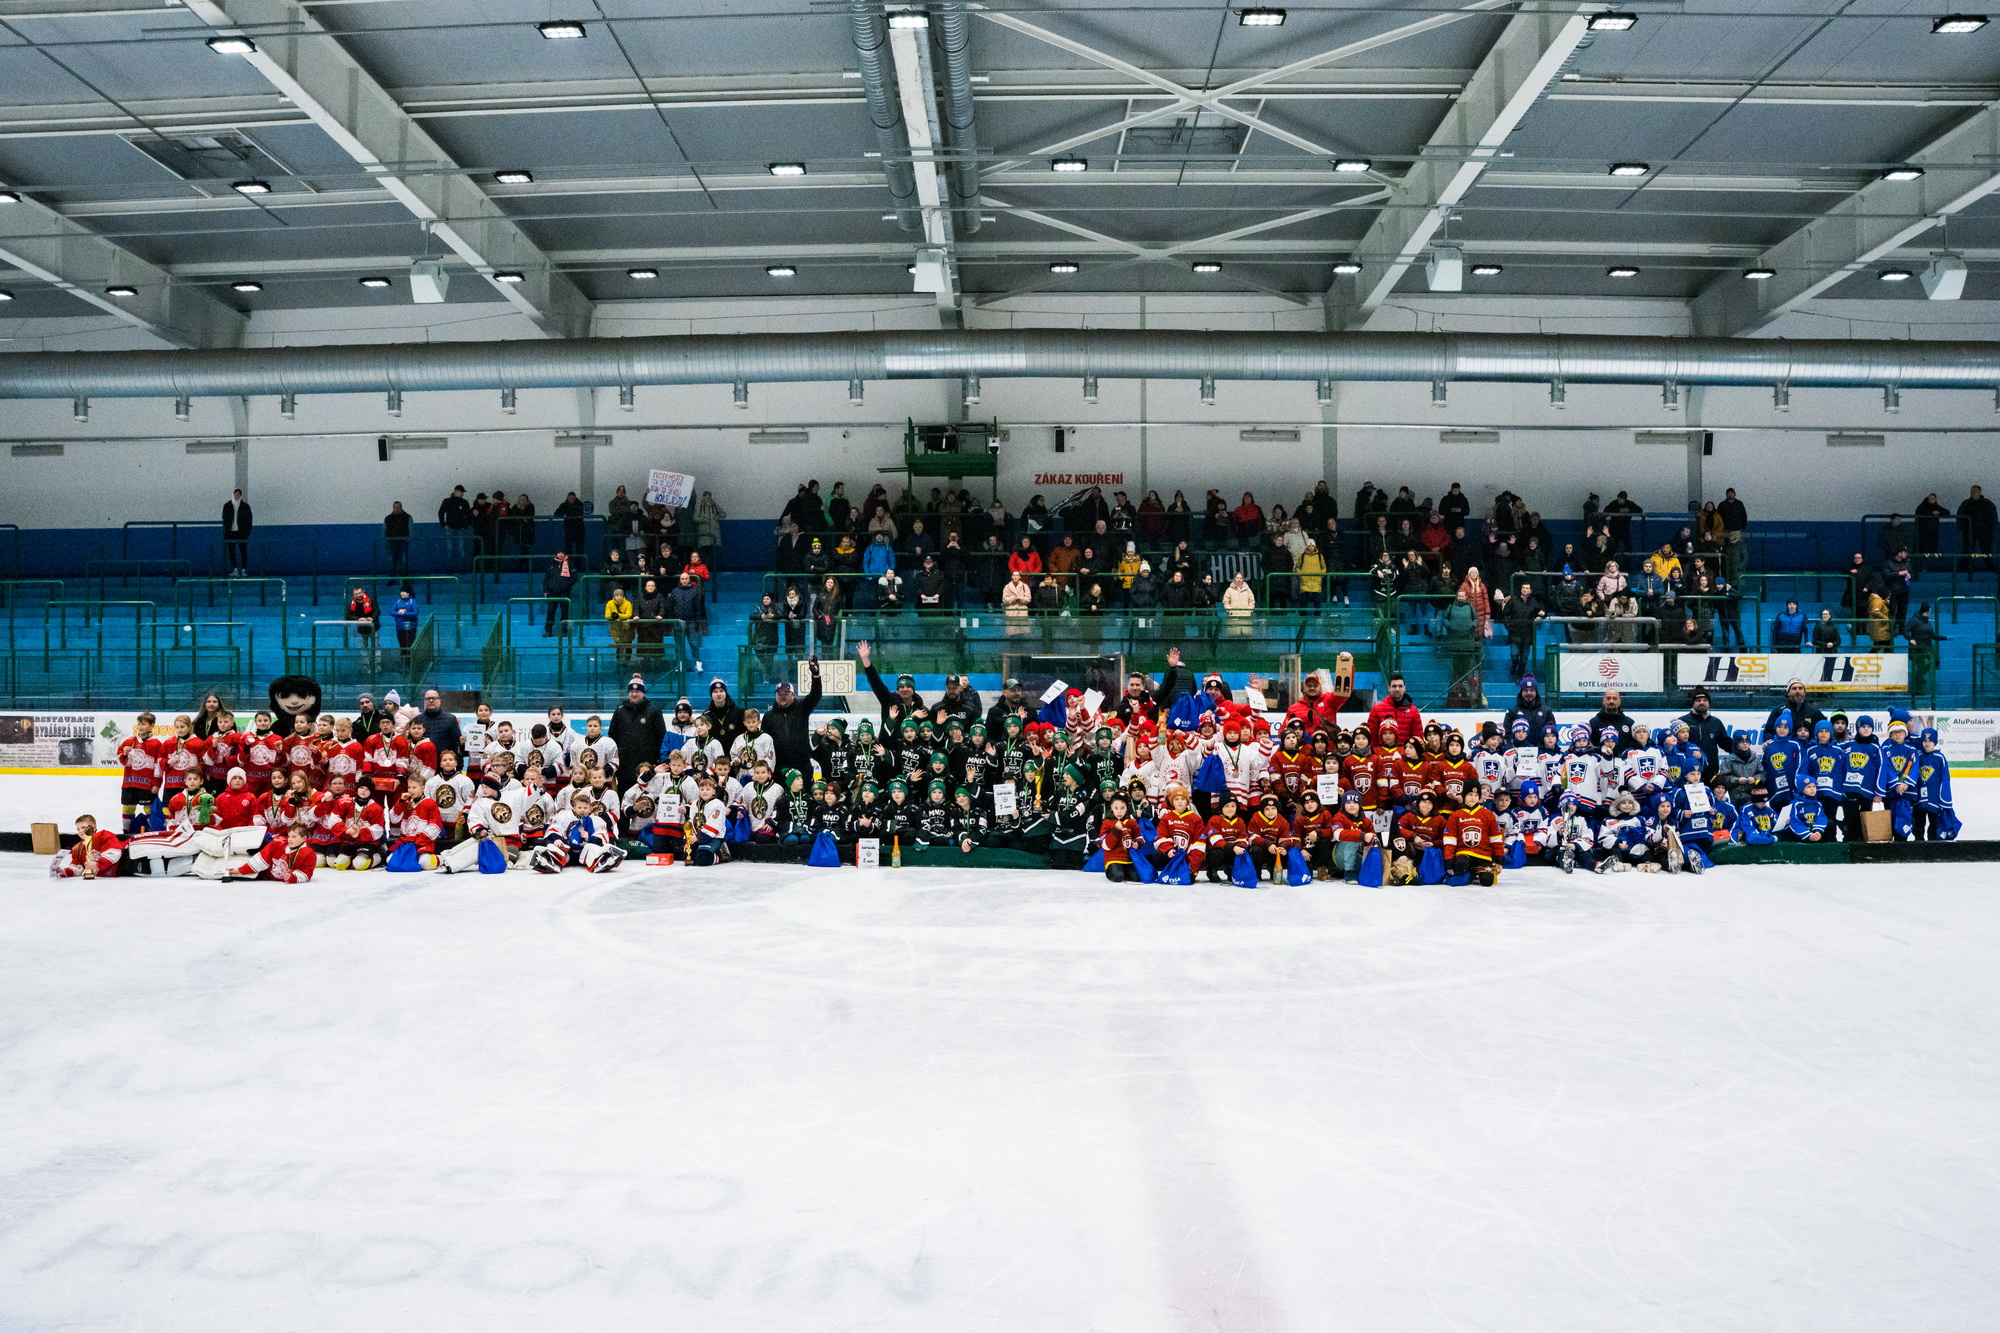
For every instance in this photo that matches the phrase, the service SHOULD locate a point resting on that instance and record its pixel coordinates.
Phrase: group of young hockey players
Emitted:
(258, 804)
(1186, 782)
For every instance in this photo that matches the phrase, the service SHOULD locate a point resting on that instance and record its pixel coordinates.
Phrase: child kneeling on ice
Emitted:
(580, 835)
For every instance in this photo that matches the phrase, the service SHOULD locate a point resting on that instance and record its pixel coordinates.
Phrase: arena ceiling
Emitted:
(1743, 155)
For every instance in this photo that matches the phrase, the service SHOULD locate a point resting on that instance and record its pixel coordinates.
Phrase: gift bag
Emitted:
(1210, 777)
(1186, 713)
(737, 827)
(1517, 855)
(404, 859)
(1176, 870)
(1875, 826)
(1297, 872)
(1430, 869)
(1244, 874)
(1948, 826)
(1370, 874)
(1094, 864)
(825, 851)
(1900, 822)
(492, 857)
(1142, 866)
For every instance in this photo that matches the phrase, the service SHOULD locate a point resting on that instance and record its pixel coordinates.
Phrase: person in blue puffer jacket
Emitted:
(405, 612)
(1788, 629)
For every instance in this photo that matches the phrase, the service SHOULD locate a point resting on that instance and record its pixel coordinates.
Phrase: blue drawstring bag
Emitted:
(1457, 881)
(403, 859)
(1176, 870)
(1297, 872)
(825, 851)
(492, 857)
(156, 816)
(1517, 855)
(1149, 832)
(1900, 821)
(1244, 873)
(1430, 869)
(1186, 713)
(1094, 865)
(1210, 777)
(1055, 712)
(737, 828)
(1142, 867)
(1948, 826)
(1369, 876)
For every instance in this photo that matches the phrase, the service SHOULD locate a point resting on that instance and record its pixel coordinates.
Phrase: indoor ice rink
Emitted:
(647, 450)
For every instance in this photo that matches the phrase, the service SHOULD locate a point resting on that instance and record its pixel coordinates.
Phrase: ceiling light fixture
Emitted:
(1070, 164)
(243, 46)
(1063, 266)
(510, 276)
(246, 285)
(1352, 166)
(1903, 174)
(560, 30)
(1486, 270)
(120, 289)
(788, 168)
(374, 281)
(1893, 275)
(1262, 16)
(1207, 266)
(1760, 274)
(515, 177)
(1347, 268)
(1621, 271)
(909, 19)
(250, 187)
(1957, 24)
(1613, 21)
(1629, 168)
(9, 197)
(782, 271)
(642, 274)
(6, 295)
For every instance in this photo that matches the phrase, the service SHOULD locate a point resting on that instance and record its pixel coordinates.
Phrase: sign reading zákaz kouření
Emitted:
(1079, 479)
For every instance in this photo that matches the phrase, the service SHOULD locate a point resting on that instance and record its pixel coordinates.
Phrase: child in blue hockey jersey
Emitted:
(1898, 776)
(1805, 818)
(1757, 822)
(1783, 758)
(1933, 820)
(1726, 814)
(1860, 776)
(1822, 762)
(1696, 821)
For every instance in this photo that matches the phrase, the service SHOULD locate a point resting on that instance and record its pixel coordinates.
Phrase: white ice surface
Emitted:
(898, 1100)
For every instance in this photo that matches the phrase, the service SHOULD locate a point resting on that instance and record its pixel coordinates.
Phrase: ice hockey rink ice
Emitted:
(792, 1099)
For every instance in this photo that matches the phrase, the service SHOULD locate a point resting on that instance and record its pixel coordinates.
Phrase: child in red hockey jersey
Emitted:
(96, 854)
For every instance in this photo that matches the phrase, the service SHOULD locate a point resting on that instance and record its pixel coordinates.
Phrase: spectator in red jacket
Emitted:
(1025, 559)
(1397, 707)
(1316, 706)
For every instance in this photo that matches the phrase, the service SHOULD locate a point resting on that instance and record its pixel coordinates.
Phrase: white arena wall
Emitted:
(322, 467)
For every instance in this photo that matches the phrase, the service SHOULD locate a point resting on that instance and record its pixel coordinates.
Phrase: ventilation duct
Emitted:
(954, 37)
(1071, 354)
(871, 41)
